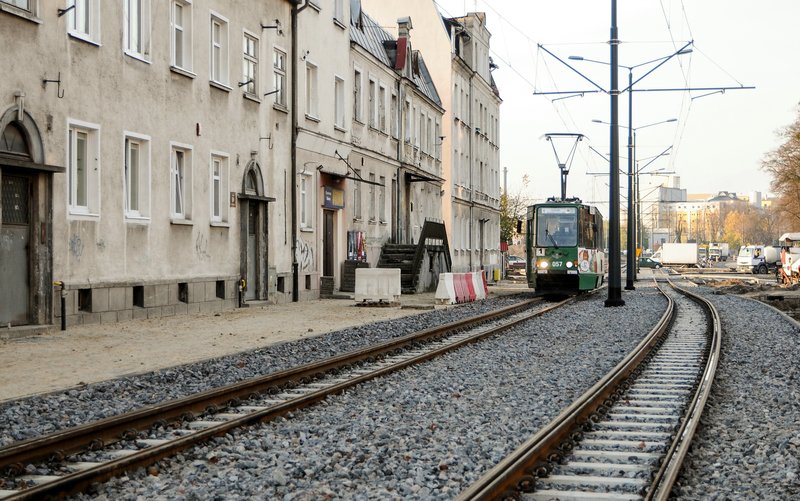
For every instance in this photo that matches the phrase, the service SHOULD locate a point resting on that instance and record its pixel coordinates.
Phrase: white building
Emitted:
(140, 156)
(457, 52)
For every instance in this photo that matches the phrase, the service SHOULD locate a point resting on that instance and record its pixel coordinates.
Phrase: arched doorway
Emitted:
(25, 222)
(254, 231)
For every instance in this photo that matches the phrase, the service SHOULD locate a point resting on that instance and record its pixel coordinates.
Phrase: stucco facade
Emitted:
(166, 155)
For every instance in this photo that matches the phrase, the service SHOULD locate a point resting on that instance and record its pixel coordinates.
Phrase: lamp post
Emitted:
(631, 258)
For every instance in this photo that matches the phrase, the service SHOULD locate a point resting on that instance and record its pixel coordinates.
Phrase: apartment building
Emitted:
(144, 146)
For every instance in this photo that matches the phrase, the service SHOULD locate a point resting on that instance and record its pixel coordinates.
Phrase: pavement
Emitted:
(49, 359)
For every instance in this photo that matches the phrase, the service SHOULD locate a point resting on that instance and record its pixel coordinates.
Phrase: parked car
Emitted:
(515, 263)
(646, 262)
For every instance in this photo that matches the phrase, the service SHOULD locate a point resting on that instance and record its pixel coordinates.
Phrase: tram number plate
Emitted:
(572, 272)
(558, 264)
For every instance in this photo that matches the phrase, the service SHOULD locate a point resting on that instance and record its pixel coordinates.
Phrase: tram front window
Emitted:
(556, 227)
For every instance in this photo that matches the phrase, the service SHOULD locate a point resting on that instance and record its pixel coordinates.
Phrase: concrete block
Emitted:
(139, 313)
(108, 317)
(124, 315)
(128, 297)
(173, 294)
(162, 294)
(181, 309)
(154, 312)
(210, 306)
(377, 284)
(99, 300)
(116, 299)
(197, 292)
(211, 291)
(74, 320)
(149, 296)
(90, 318)
(168, 310)
(193, 308)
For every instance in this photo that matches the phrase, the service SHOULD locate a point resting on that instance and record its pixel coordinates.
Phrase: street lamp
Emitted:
(631, 273)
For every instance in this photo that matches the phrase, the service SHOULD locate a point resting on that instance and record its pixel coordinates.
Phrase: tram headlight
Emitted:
(569, 264)
(543, 264)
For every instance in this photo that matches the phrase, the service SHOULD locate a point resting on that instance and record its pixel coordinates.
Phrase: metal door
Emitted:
(327, 244)
(14, 236)
(252, 250)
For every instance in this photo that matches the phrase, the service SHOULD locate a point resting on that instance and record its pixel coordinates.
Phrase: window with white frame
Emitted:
(431, 139)
(407, 122)
(338, 93)
(338, 10)
(250, 64)
(372, 197)
(373, 97)
(137, 175)
(393, 115)
(219, 187)
(357, 195)
(219, 49)
(137, 28)
(312, 100)
(306, 196)
(27, 5)
(357, 98)
(83, 166)
(181, 27)
(382, 199)
(180, 184)
(83, 19)
(279, 76)
(382, 108)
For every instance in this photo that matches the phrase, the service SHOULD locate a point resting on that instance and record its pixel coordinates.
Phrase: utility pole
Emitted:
(614, 271)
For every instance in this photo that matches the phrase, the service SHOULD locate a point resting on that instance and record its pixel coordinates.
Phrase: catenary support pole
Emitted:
(614, 275)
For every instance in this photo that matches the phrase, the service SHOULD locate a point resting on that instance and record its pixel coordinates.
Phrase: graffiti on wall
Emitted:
(76, 246)
(201, 246)
(305, 255)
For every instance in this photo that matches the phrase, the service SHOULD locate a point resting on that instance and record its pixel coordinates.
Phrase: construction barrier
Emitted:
(378, 285)
(461, 287)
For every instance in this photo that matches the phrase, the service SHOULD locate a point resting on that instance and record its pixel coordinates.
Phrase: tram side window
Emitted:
(587, 229)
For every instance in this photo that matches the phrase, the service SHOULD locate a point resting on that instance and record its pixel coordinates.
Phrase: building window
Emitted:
(357, 195)
(181, 26)
(26, 5)
(219, 49)
(306, 196)
(137, 175)
(219, 187)
(338, 10)
(407, 122)
(338, 91)
(137, 28)
(84, 168)
(393, 115)
(279, 76)
(372, 197)
(311, 91)
(357, 96)
(382, 108)
(382, 199)
(250, 64)
(83, 19)
(180, 181)
(372, 96)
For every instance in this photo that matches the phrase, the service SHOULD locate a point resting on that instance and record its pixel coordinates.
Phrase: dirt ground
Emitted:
(87, 354)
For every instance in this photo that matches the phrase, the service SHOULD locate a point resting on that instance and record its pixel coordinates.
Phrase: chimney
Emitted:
(403, 42)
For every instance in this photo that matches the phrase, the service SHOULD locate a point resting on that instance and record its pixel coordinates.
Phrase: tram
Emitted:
(565, 247)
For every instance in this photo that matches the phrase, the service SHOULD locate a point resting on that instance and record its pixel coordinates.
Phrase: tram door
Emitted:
(327, 243)
(14, 245)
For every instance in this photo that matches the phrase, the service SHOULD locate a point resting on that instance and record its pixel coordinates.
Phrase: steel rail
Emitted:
(77, 481)
(665, 478)
(518, 470)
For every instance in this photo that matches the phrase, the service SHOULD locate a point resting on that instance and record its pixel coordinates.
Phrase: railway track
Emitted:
(70, 461)
(626, 437)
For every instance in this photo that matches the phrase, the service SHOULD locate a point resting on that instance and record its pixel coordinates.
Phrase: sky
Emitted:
(719, 140)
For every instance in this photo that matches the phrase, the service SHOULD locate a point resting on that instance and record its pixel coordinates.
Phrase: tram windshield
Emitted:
(556, 227)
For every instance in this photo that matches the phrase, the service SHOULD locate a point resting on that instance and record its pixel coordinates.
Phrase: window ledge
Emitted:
(181, 222)
(357, 220)
(358, 121)
(25, 14)
(314, 5)
(306, 229)
(219, 224)
(312, 118)
(182, 71)
(83, 37)
(137, 219)
(280, 107)
(251, 97)
(80, 214)
(339, 128)
(220, 85)
(339, 23)
(137, 56)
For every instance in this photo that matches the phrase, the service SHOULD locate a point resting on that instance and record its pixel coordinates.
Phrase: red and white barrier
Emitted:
(461, 287)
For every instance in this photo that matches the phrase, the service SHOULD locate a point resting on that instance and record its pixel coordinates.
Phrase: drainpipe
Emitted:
(471, 165)
(296, 9)
(401, 105)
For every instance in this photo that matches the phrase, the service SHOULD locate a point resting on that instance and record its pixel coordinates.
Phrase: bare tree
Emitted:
(784, 166)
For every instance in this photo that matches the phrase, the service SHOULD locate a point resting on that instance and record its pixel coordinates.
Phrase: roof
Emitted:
(367, 33)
